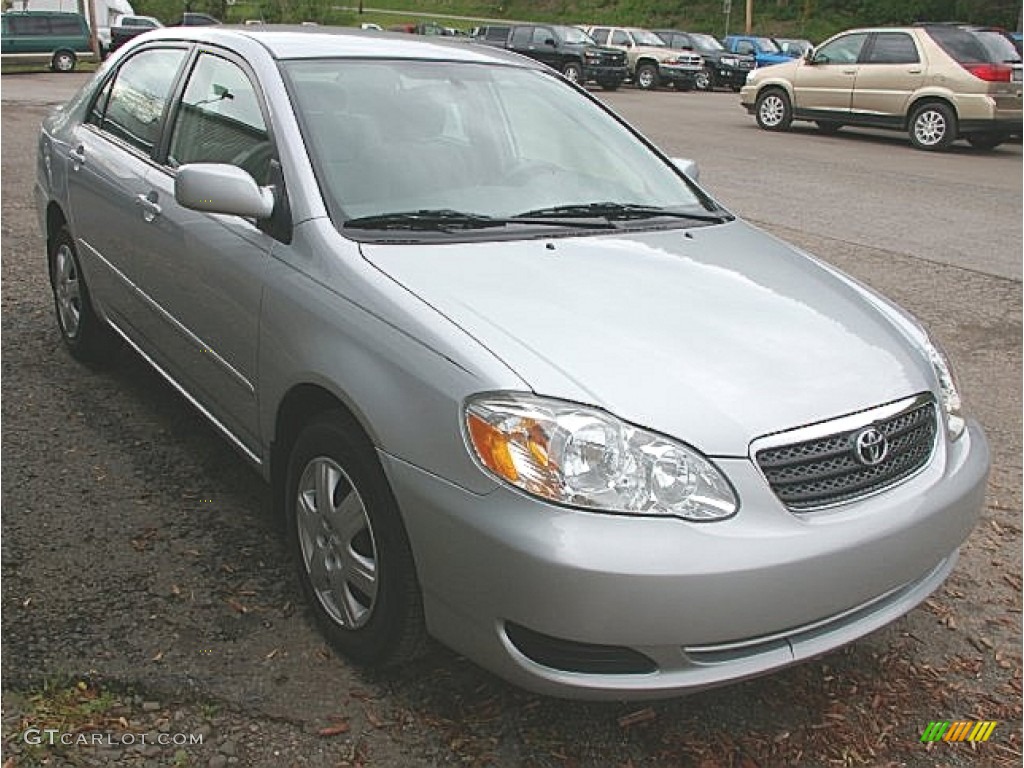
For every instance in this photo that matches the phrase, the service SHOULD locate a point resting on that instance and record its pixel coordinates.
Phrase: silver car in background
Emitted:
(516, 380)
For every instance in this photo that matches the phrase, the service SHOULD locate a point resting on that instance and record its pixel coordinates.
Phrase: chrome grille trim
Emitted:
(815, 467)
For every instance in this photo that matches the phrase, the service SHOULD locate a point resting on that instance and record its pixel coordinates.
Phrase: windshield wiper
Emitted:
(448, 220)
(621, 212)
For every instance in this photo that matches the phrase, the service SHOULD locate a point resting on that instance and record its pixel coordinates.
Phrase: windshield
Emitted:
(574, 36)
(643, 37)
(706, 43)
(767, 45)
(485, 140)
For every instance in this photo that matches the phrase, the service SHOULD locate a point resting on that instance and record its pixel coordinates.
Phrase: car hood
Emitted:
(715, 335)
(774, 59)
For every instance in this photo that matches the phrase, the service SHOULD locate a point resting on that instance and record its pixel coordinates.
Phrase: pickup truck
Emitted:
(763, 49)
(128, 27)
(721, 67)
(567, 49)
(651, 62)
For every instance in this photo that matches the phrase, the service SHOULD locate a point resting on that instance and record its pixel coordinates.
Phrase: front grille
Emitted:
(826, 470)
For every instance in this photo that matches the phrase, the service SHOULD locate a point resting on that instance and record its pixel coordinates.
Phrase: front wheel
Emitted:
(345, 530)
(647, 77)
(933, 126)
(704, 81)
(63, 61)
(773, 111)
(573, 72)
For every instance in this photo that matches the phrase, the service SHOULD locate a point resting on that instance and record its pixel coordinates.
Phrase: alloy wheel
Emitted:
(67, 290)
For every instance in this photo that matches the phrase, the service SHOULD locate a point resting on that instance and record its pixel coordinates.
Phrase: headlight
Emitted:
(948, 390)
(584, 457)
(729, 61)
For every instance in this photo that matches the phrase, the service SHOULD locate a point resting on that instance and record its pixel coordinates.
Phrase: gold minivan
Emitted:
(938, 82)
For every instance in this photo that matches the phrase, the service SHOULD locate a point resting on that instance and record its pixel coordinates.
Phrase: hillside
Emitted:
(813, 19)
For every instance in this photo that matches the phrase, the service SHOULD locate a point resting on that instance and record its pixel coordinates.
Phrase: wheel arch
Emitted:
(928, 98)
(55, 219)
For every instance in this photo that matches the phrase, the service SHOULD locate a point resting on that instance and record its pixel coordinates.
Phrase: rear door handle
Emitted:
(849, 71)
(150, 208)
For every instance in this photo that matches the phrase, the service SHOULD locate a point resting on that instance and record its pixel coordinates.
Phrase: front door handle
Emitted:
(150, 207)
(914, 71)
(77, 157)
(849, 71)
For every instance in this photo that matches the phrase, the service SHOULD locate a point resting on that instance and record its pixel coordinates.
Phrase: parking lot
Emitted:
(141, 557)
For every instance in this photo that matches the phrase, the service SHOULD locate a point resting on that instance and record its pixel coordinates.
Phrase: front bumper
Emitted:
(672, 73)
(605, 74)
(731, 76)
(705, 603)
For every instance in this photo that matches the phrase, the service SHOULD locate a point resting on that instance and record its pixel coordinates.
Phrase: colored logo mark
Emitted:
(959, 730)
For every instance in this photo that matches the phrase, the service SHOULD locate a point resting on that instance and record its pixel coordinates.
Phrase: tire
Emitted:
(773, 111)
(932, 126)
(829, 127)
(985, 141)
(573, 72)
(647, 77)
(354, 561)
(83, 333)
(63, 61)
(704, 81)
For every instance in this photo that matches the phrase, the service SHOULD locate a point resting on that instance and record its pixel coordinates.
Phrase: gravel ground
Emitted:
(146, 591)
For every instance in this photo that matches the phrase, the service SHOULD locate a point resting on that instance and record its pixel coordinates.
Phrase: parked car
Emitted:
(721, 68)
(128, 27)
(763, 49)
(58, 39)
(650, 61)
(568, 50)
(516, 380)
(794, 48)
(193, 19)
(937, 82)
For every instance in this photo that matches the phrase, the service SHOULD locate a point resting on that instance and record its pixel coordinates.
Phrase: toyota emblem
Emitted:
(871, 447)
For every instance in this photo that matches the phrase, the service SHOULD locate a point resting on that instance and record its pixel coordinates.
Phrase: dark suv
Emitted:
(569, 50)
(722, 68)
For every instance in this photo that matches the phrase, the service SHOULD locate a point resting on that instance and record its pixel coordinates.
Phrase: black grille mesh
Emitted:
(817, 473)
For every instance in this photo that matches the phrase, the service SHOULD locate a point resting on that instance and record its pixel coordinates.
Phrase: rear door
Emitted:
(890, 72)
(824, 86)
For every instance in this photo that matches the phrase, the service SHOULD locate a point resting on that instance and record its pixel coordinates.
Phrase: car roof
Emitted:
(301, 42)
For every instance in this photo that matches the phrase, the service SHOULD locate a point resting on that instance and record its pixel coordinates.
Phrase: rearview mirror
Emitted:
(222, 188)
(687, 167)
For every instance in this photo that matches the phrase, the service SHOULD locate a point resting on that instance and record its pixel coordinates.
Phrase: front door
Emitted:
(825, 84)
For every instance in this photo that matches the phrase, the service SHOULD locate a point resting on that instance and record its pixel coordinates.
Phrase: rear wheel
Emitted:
(704, 81)
(573, 72)
(345, 530)
(985, 141)
(773, 111)
(83, 333)
(647, 77)
(932, 126)
(63, 61)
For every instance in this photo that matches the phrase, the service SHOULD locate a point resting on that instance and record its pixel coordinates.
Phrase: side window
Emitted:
(100, 105)
(66, 26)
(34, 26)
(220, 120)
(521, 36)
(139, 96)
(842, 50)
(541, 35)
(745, 46)
(893, 48)
(620, 38)
(600, 35)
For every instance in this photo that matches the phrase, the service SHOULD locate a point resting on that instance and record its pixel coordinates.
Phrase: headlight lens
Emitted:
(948, 389)
(584, 457)
(729, 61)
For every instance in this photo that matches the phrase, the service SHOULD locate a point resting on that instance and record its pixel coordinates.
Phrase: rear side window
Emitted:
(496, 34)
(521, 36)
(29, 26)
(139, 96)
(66, 26)
(893, 48)
(968, 46)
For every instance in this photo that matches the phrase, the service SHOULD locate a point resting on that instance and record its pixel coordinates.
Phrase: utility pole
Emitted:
(89, 11)
(727, 10)
(750, 16)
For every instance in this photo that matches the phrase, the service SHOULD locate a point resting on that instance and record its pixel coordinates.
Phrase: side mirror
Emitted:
(809, 55)
(550, 43)
(687, 167)
(222, 188)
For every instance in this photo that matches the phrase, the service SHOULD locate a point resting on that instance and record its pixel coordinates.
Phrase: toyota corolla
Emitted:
(515, 379)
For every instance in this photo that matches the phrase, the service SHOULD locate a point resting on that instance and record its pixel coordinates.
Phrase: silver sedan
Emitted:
(515, 379)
